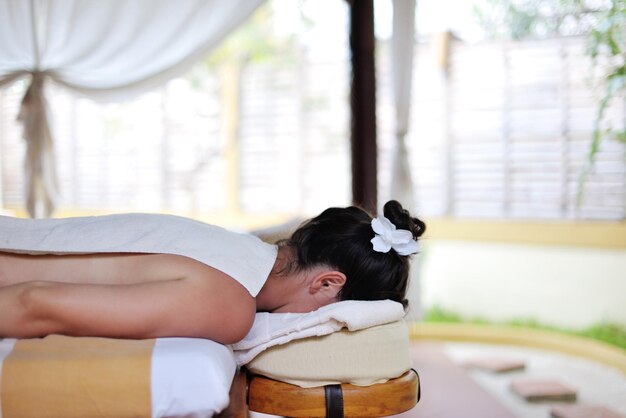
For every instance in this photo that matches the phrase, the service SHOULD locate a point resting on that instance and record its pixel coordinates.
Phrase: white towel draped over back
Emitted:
(243, 257)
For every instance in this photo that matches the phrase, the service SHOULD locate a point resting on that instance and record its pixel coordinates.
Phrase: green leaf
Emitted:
(616, 83)
(612, 43)
(620, 136)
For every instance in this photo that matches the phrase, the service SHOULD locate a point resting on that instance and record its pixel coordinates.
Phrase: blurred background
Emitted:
(516, 146)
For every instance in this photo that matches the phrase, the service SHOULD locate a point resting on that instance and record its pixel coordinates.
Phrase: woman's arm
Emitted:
(212, 306)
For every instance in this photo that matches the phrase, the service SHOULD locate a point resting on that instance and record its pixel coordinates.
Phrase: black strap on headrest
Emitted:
(419, 386)
(334, 401)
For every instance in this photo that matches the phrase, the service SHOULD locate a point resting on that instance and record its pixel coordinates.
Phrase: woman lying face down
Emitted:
(341, 254)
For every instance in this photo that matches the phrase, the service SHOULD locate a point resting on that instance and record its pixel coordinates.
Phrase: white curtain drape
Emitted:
(401, 187)
(103, 49)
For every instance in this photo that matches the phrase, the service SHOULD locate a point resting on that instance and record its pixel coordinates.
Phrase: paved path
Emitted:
(452, 391)
(447, 390)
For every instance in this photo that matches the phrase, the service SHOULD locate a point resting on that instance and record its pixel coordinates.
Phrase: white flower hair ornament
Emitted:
(388, 237)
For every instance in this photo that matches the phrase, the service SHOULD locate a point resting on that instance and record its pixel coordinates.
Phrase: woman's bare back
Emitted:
(121, 295)
(103, 268)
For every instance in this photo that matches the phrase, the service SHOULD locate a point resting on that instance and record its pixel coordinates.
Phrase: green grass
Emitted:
(610, 333)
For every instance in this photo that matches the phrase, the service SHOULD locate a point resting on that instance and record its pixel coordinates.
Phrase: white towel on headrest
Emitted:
(271, 329)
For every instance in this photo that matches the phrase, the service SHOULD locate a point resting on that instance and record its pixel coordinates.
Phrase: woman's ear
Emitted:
(329, 283)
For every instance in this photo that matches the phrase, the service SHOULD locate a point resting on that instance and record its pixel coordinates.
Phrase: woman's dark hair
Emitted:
(340, 238)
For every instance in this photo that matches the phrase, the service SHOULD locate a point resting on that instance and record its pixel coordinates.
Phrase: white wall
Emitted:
(570, 287)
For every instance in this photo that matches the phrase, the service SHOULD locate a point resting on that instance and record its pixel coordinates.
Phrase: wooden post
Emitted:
(363, 104)
(230, 98)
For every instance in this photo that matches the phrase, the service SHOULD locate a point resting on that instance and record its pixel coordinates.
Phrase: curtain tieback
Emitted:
(40, 172)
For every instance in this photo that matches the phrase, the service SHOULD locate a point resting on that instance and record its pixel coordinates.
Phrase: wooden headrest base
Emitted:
(278, 398)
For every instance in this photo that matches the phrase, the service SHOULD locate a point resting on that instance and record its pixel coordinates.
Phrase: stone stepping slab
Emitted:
(539, 390)
(583, 411)
(495, 364)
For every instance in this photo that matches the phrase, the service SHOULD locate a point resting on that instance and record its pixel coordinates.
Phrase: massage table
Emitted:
(363, 372)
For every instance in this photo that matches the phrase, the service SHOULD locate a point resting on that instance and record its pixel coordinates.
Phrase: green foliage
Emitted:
(609, 333)
(523, 19)
(605, 25)
(438, 314)
(506, 21)
(254, 41)
(607, 48)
